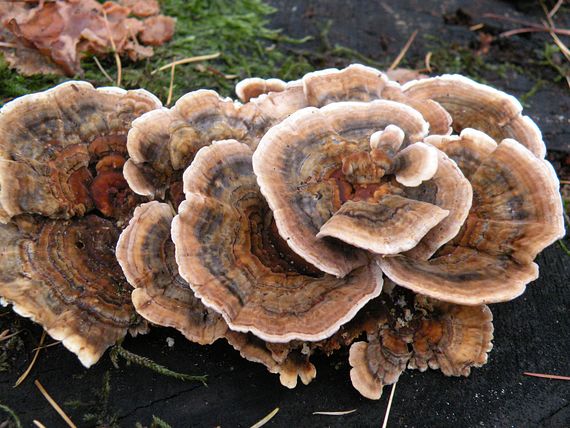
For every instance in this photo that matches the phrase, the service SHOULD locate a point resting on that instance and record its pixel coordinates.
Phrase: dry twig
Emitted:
(107, 76)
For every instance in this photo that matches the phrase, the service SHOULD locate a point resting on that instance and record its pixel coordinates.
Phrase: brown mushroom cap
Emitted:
(516, 213)
(419, 334)
(63, 275)
(253, 87)
(146, 255)
(353, 83)
(390, 226)
(473, 105)
(298, 164)
(294, 365)
(234, 260)
(51, 139)
(61, 153)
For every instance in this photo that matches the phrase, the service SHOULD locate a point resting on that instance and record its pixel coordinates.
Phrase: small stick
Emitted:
(346, 412)
(564, 182)
(266, 419)
(528, 25)
(547, 376)
(476, 27)
(171, 86)
(385, 424)
(402, 53)
(54, 405)
(38, 424)
(8, 45)
(187, 61)
(109, 78)
(29, 369)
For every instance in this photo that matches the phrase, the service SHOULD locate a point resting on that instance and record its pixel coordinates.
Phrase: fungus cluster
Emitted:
(340, 210)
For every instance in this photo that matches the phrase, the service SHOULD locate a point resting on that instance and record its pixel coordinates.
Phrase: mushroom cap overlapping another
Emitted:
(63, 200)
(271, 223)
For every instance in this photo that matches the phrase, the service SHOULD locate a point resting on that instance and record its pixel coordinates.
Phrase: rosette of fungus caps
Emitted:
(63, 200)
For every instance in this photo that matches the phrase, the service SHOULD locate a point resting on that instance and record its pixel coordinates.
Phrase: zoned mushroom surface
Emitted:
(316, 160)
(146, 255)
(516, 213)
(229, 251)
(62, 189)
(63, 275)
(51, 142)
(473, 105)
(421, 333)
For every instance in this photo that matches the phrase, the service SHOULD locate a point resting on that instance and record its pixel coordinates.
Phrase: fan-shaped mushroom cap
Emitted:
(146, 255)
(432, 334)
(294, 365)
(63, 274)
(449, 190)
(390, 226)
(298, 164)
(353, 83)
(453, 339)
(253, 87)
(473, 105)
(164, 142)
(516, 213)
(379, 362)
(232, 257)
(48, 141)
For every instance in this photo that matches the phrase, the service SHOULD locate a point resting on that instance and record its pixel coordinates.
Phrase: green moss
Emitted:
(238, 29)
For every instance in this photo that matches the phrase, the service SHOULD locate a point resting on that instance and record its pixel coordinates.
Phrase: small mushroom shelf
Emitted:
(340, 210)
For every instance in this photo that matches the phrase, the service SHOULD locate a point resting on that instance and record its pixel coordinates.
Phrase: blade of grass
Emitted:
(187, 61)
(342, 413)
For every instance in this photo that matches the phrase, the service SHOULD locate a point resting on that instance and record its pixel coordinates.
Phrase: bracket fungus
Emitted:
(64, 199)
(228, 250)
(420, 333)
(272, 223)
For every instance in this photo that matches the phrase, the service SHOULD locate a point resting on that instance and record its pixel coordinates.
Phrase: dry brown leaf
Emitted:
(142, 8)
(157, 30)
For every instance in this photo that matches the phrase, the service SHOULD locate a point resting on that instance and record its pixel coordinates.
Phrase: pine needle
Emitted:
(5, 336)
(266, 419)
(118, 350)
(53, 404)
(564, 247)
(346, 412)
(402, 53)
(171, 86)
(187, 61)
(24, 375)
(547, 376)
(39, 424)
(387, 415)
(13, 415)
(47, 346)
(114, 47)
(100, 67)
